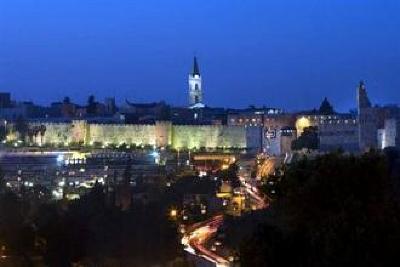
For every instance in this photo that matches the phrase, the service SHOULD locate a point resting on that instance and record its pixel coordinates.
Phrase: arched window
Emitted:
(196, 87)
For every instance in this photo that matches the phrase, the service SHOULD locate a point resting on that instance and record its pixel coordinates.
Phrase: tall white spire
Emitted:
(195, 89)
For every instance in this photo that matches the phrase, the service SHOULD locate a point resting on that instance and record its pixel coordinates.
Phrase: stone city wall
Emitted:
(210, 136)
(158, 134)
(122, 133)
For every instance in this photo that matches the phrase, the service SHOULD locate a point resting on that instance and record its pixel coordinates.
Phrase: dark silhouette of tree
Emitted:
(3, 132)
(89, 231)
(42, 131)
(21, 127)
(2, 183)
(308, 139)
(230, 174)
(335, 210)
(17, 236)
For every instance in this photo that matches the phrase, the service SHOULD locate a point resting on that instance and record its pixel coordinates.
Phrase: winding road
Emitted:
(198, 234)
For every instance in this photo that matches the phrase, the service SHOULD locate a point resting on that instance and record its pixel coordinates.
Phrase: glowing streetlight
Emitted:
(173, 213)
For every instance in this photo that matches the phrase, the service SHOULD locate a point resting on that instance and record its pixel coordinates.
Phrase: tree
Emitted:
(21, 127)
(3, 131)
(308, 139)
(230, 174)
(335, 210)
(2, 182)
(42, 131)
(17, 236)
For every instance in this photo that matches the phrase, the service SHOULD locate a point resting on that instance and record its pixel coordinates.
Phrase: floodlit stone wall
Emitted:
(158, 134)
(122, 133)
(209, 136)
(56, 133)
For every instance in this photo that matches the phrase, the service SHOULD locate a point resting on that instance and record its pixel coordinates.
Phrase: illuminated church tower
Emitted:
(195, 90)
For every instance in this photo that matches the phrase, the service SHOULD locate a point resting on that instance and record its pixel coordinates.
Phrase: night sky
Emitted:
(287, 54)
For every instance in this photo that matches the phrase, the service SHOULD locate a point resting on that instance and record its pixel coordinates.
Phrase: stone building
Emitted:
(378, 125)
(335, 131)
(159, 134)
(368, 120)
(266, 128)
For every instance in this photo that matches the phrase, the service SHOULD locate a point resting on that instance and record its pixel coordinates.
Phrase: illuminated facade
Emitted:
(160, 134)
(335, 131)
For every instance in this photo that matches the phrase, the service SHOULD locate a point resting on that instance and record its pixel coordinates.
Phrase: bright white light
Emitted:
(60, 158)
(202, 173)
(57, 195)
(155, 154)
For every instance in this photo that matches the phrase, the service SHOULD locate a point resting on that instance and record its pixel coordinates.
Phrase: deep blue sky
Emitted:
(286, 53)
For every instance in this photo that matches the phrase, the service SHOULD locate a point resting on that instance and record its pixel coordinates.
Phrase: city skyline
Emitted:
(252, 55)
(198, 133)
(194, 86)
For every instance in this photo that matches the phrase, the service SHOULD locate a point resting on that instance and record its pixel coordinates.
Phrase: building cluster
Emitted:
(198, 126)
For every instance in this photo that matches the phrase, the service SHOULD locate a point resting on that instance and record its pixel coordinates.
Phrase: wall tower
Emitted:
(367, 120)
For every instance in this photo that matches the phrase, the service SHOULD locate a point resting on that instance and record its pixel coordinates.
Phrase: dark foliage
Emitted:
(335, 210)
(21, 127)
(308, 139)
(90, 231)
(230, 174)
(93, 232)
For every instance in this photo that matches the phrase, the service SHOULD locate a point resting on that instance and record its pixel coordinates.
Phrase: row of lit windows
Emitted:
(253, 120)
(246, 120)
(322, 117)
(337, 121)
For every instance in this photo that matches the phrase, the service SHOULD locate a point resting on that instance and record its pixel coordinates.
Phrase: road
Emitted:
(254, 194)
(269, 166)
(198, 234)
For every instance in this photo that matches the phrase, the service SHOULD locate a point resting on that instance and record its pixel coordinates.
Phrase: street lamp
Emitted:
(174, 213)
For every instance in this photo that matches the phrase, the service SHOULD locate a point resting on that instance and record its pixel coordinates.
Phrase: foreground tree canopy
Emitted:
(335, 210)
(91, 231)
